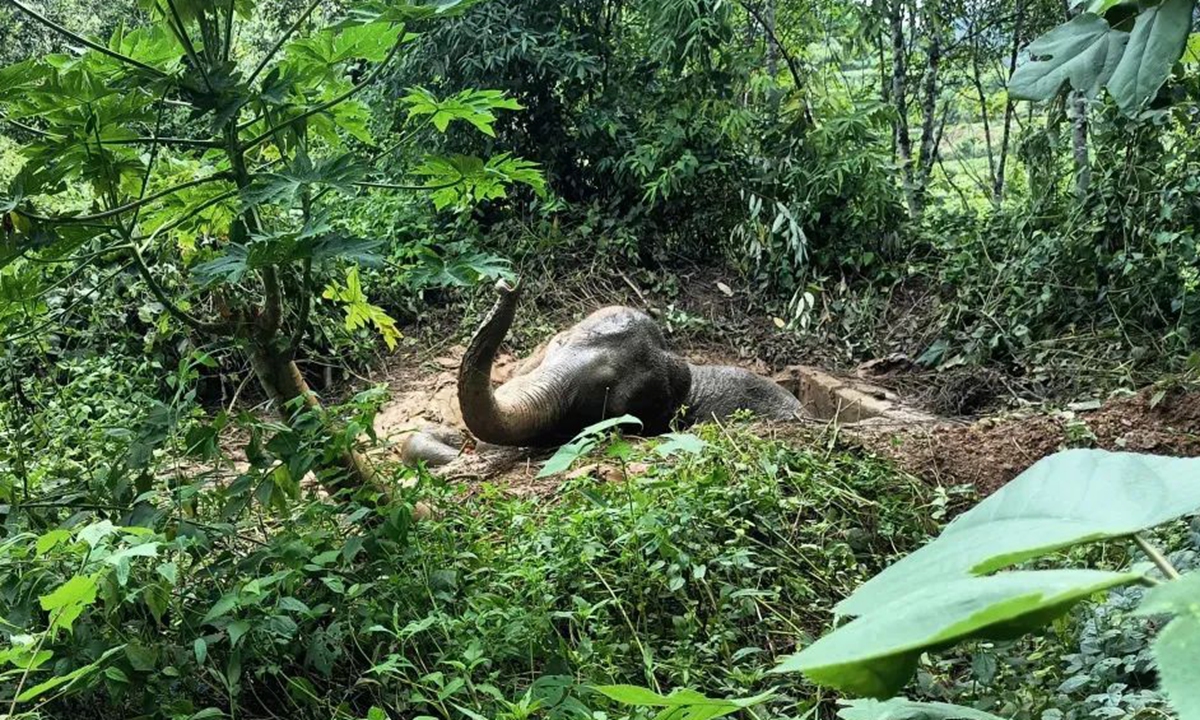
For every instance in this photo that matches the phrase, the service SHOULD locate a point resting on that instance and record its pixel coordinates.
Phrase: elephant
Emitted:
(615, 362)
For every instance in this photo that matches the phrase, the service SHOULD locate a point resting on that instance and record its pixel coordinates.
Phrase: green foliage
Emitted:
(1088, 54)
(1068, 498)
(947, 596)
(253, 592)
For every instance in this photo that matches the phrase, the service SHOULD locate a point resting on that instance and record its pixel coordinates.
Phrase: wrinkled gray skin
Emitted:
(615, 362)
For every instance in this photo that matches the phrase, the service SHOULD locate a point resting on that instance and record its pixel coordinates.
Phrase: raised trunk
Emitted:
(281, 380)
(525, 411)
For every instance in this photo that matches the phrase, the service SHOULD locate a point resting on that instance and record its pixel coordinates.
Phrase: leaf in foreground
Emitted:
(1177, 653)
(902, 709)
(875, 655)
(1083, 53)
(1159, 37)
(1068, 498)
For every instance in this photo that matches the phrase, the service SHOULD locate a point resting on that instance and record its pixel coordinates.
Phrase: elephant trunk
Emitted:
(523, 412)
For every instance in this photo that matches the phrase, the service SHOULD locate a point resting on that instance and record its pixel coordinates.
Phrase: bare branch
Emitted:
(126, 207)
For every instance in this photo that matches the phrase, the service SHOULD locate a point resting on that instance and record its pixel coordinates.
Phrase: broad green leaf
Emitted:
(1082, 53)
(50, 540)
(95, 533)
(144, 550)
(875, 655)
(69, 600)
(1191, 55)
(222, 607)
(1176, 597)
(1159, 37)
(1066, 499)
(582, 444)
(902, 709)
(200, 649)
(68, 679)
(1176, 651)
(680, 443)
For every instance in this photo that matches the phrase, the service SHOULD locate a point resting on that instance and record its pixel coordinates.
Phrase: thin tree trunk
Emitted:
(1009, 106)
(977, 76)
(1079, 145)
(284, 384)
(770, 31)
(930, 135)
(900, 102)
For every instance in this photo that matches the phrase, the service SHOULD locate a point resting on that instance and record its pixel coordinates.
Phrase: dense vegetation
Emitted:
(212, 209)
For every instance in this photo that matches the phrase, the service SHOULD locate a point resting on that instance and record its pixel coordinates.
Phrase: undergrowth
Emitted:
(697, 572)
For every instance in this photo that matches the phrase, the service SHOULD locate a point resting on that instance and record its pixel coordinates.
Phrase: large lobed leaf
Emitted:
(1159, 37)
(902, 709)
(1083, 53)
(1177, 647)
(1088, 55)
(1068, 498)
(875, 655)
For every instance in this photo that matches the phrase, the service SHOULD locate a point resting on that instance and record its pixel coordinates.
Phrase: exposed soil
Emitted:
(993, 425)
(988, 453)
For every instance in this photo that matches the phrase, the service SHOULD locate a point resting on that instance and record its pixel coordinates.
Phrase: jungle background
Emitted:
(778, 182)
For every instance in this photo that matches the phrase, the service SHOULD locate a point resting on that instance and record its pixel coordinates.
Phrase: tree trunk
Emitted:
(977, 77)
(930, 133)
(1079, 145)
(769, 33)
(1009, 106)
(284, 384)
(900, 102)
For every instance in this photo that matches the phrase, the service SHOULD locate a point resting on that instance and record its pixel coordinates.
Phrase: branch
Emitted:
(161, 295)
(188, 142)
(82, 40)
(328, 104)
(126, 207)
(180, 31)
(262, 64)
(1156, 556)
(305, 307)
(394, 186)
(787, 56)
(29, 128)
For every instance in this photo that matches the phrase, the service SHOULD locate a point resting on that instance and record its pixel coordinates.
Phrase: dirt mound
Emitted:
(988, 453)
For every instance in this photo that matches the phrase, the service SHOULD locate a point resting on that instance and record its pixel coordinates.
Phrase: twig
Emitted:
(1157, 557)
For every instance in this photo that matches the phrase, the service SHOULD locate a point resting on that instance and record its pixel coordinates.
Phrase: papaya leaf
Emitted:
(875, 655)
(1066, 499)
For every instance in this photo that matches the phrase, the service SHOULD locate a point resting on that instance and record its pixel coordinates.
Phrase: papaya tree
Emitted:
(207, 161)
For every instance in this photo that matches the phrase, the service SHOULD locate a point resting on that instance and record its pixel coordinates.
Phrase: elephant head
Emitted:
(614, 362)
